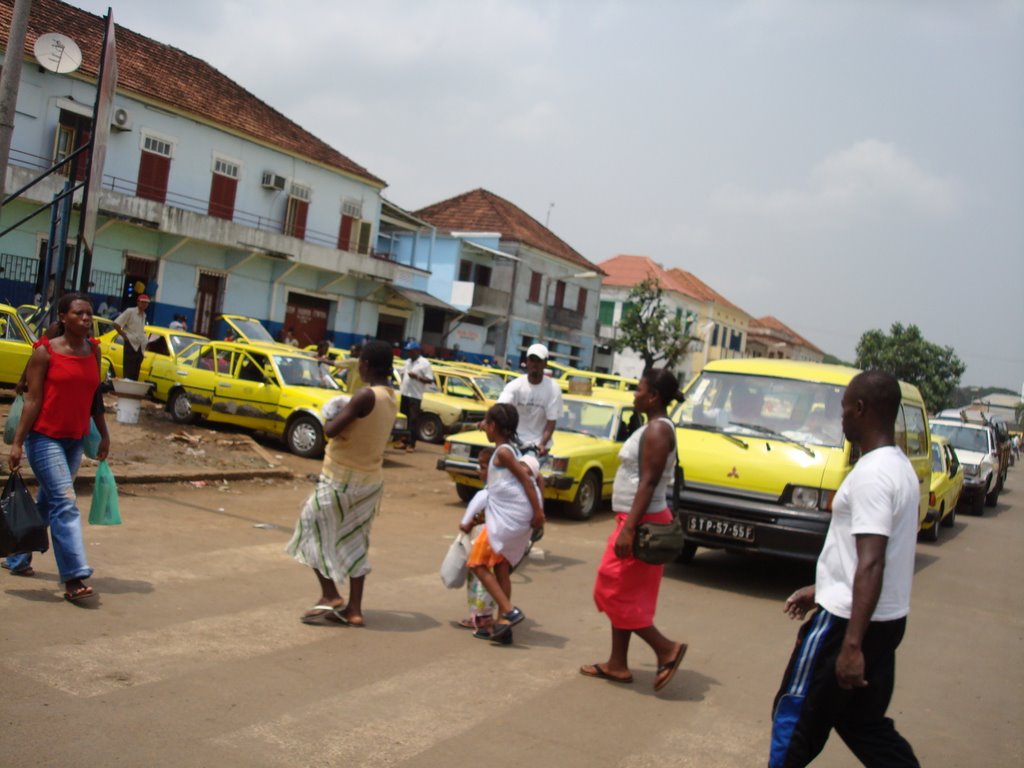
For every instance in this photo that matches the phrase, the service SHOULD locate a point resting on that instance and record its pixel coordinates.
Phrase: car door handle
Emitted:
(223, 384)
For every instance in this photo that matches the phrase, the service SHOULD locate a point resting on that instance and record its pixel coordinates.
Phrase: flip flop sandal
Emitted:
(27, 571)
(328, 613)
(79, 594)
(602, 675)
(671, 667)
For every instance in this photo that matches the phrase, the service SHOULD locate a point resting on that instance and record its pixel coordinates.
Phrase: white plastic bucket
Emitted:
(128, 410)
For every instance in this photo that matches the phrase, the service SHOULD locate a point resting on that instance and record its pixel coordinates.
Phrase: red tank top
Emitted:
(68, 390)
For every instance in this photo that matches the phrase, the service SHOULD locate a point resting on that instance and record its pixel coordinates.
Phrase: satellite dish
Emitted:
(57, 53)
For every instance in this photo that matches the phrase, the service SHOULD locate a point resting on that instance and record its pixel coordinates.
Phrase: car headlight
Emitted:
(970, 470)
(805, 498)
(559, 464)
(459, 451)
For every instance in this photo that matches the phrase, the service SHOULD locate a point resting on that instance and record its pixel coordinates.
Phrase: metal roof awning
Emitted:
(491, 251)
(421, 297)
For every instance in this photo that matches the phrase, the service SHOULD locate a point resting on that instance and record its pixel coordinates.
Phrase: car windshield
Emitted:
(491, 386)
(804, 412)
(253, 330)
(179, 342)
(595, 419)
(963, 438)
(297, 371)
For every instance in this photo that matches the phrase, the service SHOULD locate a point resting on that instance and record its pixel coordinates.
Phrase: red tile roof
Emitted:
(626, 270)
(768, 322)
(483, 211)
(164, 74)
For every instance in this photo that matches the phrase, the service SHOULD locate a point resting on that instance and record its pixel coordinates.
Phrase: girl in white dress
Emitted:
(513, 509)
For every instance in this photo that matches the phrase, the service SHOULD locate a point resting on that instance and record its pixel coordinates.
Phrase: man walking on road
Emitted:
(131, 325)
(842, 671)
(416, 375)
(537, 398)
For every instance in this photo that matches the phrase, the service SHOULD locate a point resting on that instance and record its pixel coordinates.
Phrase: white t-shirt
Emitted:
(537, 404)
(411, 387)
(133, 323)
(879, 496)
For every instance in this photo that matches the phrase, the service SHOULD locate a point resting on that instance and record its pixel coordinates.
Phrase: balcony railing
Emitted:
(491, 300)
(567, 318)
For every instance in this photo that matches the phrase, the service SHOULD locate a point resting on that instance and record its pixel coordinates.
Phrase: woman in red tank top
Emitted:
(62, 379)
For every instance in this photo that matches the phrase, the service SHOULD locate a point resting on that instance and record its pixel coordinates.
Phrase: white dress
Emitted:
(509, 512)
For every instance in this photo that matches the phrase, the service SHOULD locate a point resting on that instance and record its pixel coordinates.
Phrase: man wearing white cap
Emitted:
(537, 398)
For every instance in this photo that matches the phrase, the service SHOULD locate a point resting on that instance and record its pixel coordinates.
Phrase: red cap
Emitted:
(143, 297)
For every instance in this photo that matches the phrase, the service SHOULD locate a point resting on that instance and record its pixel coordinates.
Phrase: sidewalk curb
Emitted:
(86, 479)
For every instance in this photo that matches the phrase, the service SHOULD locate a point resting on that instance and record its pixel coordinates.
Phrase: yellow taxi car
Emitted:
(567, 377)
(947, 483)
(162, 343)
(275, 391)
(16, 341)
(581, 465)
(763, 453)
(457, 401)
(249, 330)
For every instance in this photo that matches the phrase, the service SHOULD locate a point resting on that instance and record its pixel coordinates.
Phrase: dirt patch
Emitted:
(156, 442)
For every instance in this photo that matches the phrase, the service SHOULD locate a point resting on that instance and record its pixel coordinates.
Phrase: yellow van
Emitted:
(763, 453)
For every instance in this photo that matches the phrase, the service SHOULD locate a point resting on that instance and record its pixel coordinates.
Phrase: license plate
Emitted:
(723, 529)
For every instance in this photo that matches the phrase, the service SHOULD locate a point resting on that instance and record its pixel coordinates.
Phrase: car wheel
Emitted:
(689, 550)
(932, 534)
(466, 492)
(950, 519)
(588, 497)
(180, 407)
(978, 504)
(429, 429)
(993, 496)
(305, 437)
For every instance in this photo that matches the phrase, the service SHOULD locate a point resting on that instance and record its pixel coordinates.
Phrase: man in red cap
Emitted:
(131, 325)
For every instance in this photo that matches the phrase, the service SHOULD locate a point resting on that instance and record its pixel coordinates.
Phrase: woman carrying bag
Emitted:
(62, 380)
(626, 589)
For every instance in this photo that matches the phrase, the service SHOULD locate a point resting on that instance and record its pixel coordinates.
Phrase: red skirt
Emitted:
(627, 589)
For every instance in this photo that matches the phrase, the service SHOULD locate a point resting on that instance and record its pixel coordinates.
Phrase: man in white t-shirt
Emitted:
(537, 398)
(417, 374)
(842, 672)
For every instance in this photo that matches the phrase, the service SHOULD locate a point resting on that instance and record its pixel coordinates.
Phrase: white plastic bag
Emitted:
(453, 567)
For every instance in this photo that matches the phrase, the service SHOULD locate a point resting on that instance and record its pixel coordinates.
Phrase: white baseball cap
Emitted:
(537, 350)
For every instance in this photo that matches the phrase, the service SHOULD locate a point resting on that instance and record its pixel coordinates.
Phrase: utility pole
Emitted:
(13, 55)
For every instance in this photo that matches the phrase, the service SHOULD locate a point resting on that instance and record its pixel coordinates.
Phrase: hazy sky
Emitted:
(841, 165)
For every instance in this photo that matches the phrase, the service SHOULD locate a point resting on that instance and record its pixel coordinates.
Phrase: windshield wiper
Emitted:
(575, 431)
(776, 435)
(715, 430)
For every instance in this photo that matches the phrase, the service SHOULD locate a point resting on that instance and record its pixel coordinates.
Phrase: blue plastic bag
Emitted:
(91, 443)
(105, 509)
(13, 417)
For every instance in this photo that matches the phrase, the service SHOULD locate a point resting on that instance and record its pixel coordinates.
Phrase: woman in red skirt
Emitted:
(626, 588)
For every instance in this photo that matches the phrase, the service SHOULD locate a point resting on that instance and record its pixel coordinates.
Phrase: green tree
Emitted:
(907, 355)
(647, 328)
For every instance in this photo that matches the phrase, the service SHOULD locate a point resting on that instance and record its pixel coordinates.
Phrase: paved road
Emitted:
(194, 655)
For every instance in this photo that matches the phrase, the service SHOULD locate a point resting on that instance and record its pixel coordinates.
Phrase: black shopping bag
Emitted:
(21, 526)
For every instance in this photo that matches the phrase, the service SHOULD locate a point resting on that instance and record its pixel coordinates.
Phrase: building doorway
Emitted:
(308, 316)
(209, 300)
(391, 328)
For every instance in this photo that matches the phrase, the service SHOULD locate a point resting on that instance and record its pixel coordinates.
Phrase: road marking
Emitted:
(399, 717)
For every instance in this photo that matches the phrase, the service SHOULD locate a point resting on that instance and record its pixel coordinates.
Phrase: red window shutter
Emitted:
(560, 293)
(83, 159)
(301, 212)
(295, 223)
(345, 233)
(535, 287)
(581, 303)
(153, 172)
(222, 196)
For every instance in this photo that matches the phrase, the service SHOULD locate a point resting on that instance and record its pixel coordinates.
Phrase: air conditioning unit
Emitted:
(121, 120)
(272, 181)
